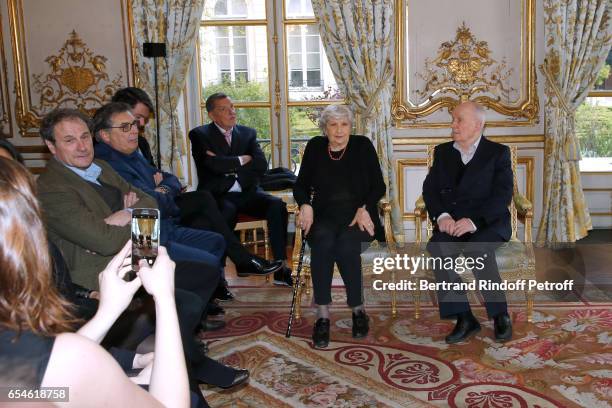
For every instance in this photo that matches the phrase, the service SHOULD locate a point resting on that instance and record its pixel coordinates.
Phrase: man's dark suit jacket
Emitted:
(482, 194)
(145, 149)
(218, 173)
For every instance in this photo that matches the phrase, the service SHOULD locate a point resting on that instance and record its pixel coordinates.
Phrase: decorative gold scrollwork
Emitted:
(77, 78)
(465, 67)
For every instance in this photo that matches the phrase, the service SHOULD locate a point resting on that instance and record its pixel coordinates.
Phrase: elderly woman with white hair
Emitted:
(343, 174)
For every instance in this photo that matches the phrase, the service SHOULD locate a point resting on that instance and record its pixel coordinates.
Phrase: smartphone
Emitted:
(145, 237)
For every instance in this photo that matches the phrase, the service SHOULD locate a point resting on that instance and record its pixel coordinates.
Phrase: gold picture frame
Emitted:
(525, 112)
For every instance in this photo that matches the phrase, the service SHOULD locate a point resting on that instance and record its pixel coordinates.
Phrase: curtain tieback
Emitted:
(366, 114)
(562, 102)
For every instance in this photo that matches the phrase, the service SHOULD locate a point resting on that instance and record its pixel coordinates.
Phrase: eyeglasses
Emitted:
(126, 127)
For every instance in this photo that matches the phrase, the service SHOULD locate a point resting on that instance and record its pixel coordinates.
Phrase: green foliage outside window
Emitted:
(594, 122)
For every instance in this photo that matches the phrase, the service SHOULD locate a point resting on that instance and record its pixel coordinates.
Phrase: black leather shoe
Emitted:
(320, 333)
(466, 327)
(361, 326)
(282, 277)
(212, 325)
(214, 309)
(240, 378)
(258, 266)
(502, 326)
(222, 294)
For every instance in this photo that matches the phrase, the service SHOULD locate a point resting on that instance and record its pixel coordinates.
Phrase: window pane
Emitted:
(312, 44)
(239, 8)
(236, 8)
(240, 62)
(326, 87)
(594, 127)
(298, 9)
(604, 79)
(295, 61)
(303, 125)
(294, 44)
(296, 79)
(220, 7)
(313, 78)
(249, 55)
(313, 61)
(293, 7)
(259, 119)
(223, 44)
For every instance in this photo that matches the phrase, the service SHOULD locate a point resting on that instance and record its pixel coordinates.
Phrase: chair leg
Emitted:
(266, 243)
(417, 302)
(529, 297)
(393, 297)
(255, 240)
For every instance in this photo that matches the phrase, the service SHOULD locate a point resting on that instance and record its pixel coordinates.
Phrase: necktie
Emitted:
(228, 137)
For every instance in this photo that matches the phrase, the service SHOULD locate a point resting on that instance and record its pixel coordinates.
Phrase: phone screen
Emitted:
(145, 237)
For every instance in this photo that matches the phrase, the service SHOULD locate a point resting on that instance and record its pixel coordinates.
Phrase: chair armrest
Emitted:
(419, 211)
(524, 208)
(522, 204)
(385, 209)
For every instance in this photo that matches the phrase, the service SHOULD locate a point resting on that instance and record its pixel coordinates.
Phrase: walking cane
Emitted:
(296, 287)
(298, 277)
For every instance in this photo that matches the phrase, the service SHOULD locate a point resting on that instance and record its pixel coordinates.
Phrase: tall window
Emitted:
(233, 59)
(594, 122)
(268, 57)
(310, 83)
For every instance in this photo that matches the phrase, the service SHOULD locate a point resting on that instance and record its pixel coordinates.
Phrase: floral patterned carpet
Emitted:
(563, 359)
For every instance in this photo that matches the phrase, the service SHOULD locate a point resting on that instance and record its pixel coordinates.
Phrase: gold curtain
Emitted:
(359, 41)
(578, 38)
(175, 23)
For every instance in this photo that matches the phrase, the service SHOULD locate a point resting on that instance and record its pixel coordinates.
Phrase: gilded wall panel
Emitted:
(448, 51)
(65, 53)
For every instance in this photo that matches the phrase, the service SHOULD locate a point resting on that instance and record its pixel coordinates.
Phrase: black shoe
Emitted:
(502, 327)
(241, 377)
(320, 333)
(466, 326)
(258, 266)
(283, 277)
(214, 309)
(360, 324)
(212, 325)
(222, 294)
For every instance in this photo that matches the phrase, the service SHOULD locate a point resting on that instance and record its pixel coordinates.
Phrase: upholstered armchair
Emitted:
(515, 259)
(376, 249)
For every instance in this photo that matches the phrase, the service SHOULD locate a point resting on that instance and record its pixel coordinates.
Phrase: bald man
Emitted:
(467, 193)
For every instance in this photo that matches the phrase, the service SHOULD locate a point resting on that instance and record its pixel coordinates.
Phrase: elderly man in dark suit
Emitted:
(230, 164)
(467, 193)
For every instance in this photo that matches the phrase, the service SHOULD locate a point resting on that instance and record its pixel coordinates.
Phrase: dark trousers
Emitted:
(261, 204)
(481, 244)
(343, 245)
(200, 210)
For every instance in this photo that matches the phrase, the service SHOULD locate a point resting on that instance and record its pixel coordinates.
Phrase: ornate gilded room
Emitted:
(537, 72)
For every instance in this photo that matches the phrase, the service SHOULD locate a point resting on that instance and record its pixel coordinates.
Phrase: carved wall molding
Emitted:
(75, 76)
(6, 127)
(464, 68)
